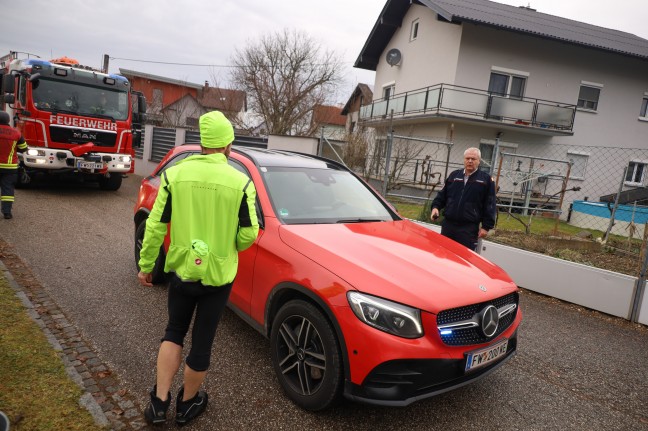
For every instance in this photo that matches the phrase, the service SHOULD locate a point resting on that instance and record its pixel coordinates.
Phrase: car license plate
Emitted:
(480, 358)
(89, 165)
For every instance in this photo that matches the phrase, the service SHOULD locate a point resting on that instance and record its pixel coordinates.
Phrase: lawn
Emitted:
(35, 391)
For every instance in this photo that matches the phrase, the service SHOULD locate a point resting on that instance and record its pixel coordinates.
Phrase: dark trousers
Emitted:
(8, 179)
(208, 302)
(465, 234)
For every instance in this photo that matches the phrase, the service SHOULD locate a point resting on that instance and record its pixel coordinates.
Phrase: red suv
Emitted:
(356, 300)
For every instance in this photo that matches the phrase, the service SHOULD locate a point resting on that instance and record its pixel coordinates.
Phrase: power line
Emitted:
(172, 63)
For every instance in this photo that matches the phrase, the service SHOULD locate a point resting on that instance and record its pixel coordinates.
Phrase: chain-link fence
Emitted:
(586, 203)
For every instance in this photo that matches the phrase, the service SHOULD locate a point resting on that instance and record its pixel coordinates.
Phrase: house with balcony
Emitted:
(553, 104)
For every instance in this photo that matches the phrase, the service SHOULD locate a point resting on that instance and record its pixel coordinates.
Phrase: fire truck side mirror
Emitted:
(141, 105)
(8, 84)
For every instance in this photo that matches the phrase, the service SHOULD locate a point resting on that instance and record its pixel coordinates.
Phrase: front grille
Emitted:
(474, 335)
(81, 136)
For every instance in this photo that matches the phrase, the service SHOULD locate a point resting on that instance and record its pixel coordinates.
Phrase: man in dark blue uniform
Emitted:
(468, 197)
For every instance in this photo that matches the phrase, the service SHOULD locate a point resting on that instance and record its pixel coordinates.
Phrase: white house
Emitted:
(479, 73)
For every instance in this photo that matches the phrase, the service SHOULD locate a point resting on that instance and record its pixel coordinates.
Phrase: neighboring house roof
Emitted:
(127, 73)
(518, 19)
(361, 90)
(331, 115)
(223, 99)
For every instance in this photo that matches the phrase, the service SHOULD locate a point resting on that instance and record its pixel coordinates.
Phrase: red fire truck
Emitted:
(76, 120)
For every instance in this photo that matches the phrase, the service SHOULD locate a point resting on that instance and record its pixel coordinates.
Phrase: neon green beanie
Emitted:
(216, 131)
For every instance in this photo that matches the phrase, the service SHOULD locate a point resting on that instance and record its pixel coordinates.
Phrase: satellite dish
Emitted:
(394, 57)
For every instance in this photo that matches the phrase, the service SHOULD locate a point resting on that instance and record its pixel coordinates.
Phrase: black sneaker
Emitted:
(155, 412)
(186, 411)
(7, 215)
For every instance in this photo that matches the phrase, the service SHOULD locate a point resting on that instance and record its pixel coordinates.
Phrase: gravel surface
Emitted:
(575, 369)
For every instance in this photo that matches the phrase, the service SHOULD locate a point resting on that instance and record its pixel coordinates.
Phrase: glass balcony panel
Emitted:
(380, 108)
(512, 108)
(397, 104)
(463, 101)
(556, 115)
(365, 111)
(433, 98)
(416, 102)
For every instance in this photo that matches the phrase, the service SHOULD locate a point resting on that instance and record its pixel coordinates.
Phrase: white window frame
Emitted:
(504, 147)
(582, 156)
(643, 174)
(392, 88)
(511, 73)
(414, 29)
(643, 111)
(594, 85)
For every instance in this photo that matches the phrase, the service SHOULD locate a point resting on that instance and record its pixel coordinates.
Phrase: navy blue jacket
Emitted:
(471, 203)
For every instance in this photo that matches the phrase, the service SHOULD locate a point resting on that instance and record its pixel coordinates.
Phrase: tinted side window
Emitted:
(175, 160)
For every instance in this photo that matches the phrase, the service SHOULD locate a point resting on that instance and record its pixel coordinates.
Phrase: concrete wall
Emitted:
(610, 292)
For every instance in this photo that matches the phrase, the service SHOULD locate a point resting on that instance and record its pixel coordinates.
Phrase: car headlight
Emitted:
(388, 316)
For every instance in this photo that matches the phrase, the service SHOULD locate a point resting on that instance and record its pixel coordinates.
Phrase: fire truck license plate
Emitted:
(89, 165)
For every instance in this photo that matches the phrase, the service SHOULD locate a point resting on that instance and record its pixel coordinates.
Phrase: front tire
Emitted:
(111, 183)
(158, 274)
(306, 356)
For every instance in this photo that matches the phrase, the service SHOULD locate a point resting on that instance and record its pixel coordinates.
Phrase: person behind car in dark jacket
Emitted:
(468, 197)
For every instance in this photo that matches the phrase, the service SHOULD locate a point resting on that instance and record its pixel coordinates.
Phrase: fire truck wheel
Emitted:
(112, 183)
(159, 276)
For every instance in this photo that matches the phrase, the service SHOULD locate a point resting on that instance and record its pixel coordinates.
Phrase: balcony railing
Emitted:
(452, 100)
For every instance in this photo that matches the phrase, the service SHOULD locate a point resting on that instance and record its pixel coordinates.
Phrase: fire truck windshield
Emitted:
(80, 99)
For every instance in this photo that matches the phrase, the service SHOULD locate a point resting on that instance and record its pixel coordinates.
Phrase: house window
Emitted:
(388, 91)
(578, 162)
(487, 146)
(192, 122)
(644, 107)
(636, 173)
(157, 99)
(414, 30)
(503, 84)
(588, 97)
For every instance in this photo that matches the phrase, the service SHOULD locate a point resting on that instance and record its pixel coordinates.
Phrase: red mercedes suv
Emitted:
(356, 300)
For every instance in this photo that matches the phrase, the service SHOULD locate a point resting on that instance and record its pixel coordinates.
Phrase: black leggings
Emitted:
(208, 303)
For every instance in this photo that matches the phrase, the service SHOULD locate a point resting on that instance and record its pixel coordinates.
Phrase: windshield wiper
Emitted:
(358, 220)
(107, 117)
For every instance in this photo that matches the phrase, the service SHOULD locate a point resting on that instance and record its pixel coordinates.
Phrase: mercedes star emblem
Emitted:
(489, 321)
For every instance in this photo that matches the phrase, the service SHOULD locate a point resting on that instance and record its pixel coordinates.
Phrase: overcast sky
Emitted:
(207, 32)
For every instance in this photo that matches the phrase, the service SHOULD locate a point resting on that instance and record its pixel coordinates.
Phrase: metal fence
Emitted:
(592, 194)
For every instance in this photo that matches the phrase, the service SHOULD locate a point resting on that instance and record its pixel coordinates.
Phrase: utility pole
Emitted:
(106, 59)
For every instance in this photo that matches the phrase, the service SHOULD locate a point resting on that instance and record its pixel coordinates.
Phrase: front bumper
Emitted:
(94, 163)
(404, 381)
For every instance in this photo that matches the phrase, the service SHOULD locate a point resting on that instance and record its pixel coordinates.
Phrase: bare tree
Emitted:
(285, 75)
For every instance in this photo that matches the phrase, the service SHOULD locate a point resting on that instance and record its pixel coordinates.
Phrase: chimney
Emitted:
(206, 84)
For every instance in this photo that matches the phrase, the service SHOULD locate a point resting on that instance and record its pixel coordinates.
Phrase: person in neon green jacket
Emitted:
(211, 208)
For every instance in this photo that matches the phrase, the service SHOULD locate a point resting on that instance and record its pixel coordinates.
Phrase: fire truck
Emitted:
(76, 120)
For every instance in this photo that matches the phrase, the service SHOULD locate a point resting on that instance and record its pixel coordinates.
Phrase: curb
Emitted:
(108, 405)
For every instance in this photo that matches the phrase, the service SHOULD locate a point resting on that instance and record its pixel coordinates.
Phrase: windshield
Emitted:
(309, 195)
(79, 99)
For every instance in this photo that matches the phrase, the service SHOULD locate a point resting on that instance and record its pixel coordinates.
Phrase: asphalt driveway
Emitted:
(575, 369)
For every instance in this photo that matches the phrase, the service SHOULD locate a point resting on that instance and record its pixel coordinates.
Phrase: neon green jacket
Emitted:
(211, 209)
